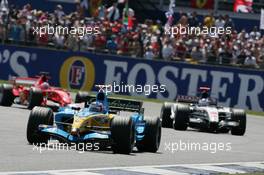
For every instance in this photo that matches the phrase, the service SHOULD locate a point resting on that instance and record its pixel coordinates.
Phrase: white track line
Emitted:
(197, 166)
(151, 170)
(215, 168)
(252, 164)
(74, 173)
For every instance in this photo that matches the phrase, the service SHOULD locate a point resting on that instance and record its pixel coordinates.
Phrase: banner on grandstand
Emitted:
(202, 4)
(262, 19)
(243, 6)
(234, 87)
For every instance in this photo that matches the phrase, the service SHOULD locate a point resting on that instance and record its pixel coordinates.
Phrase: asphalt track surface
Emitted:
(17, 155)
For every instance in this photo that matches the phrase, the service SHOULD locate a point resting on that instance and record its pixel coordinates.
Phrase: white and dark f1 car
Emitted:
(204, 114)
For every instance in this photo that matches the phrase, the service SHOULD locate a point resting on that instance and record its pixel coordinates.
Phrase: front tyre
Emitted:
(239, 116)
(151, 140)
(6, 95)
(39, 115)
(123, 134)
(181, 117)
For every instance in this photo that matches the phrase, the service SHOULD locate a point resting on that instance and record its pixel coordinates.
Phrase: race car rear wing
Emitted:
(23, 81)
(124, 104)
(187, 99)
(193, 99)
(119, 104)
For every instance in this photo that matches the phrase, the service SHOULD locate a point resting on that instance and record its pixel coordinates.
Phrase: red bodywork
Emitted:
(22, 86)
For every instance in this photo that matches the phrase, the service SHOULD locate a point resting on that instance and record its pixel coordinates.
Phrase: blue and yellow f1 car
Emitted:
(118, 122)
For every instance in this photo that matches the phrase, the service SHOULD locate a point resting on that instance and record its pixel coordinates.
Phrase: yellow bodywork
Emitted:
(100, 122)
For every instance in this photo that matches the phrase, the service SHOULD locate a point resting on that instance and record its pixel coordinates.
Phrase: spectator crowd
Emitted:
(121, 34)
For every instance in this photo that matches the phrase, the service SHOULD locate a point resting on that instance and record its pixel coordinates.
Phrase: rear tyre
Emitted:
(6, 95)
(181, 118)
(39, 115)
(165, 115)
(35, 98)
(151, 140)
(81, 97)
(123, 134)
(239, 116)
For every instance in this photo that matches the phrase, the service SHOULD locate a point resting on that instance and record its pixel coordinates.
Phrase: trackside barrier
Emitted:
(75, 70)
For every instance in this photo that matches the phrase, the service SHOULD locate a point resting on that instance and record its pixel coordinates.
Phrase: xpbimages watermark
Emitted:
(138, 89)
(187, 30)
(185, 146)
(60, 30)
(80, 147)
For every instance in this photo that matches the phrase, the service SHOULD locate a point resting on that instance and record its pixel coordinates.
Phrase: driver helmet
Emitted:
(44, 78)
(96, 106)
(205, 94)
(44, 85)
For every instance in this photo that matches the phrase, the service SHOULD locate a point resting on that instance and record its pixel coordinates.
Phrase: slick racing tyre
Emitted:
(123, 134)
(6, 95)
(239, 116)
(181, 117)
(81, 97)
(151, 140)
(39, 115)
(165, 115)
(35, 98)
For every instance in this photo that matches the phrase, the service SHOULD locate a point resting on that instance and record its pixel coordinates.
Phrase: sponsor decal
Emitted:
(77, 73)
(17, 60)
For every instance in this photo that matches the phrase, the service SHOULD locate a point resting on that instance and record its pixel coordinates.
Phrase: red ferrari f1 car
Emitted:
(33, 92)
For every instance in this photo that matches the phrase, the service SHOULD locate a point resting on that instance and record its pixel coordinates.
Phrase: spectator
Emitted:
(149, 55)
(250, 61)
(135, 49)
(15, 30)
(101, 12)
(193, 20)
(113, 13)
(167, 50)
(87, 42)
(255, 34)
(197, 54)
(59, 13)
(4, 6)
(229, 22)
(180, 50)
(111, 45)
(59, 40)
(72, 42)
(220, 22)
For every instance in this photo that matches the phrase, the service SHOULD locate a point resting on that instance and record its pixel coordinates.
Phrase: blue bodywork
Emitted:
(67, 113)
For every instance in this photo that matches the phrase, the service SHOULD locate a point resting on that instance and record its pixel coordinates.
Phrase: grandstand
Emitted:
(146, 37)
